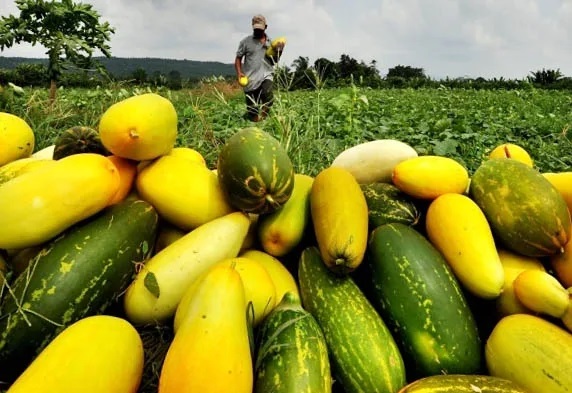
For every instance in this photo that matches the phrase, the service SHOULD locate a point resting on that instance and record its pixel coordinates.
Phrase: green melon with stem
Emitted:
(255, 171)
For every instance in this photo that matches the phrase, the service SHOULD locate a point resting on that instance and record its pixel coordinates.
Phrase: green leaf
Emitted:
(151, 284)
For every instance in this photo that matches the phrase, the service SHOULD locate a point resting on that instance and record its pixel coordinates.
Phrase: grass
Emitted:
(315, 126)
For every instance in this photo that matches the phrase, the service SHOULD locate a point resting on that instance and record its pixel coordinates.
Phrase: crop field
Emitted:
(315, 126)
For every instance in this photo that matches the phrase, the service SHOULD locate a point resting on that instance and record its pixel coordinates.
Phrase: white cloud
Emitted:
(452, 38)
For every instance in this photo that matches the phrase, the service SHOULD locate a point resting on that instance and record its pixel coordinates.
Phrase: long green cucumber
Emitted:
(292, 355)
(414, 290)
(78, 274)
(364, 356)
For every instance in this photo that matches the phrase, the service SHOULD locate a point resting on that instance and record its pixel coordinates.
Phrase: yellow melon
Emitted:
(510, 150)
(16, 138)
(141, 127)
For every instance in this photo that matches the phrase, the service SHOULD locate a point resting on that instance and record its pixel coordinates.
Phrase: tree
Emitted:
(545, 77)
(406, 72)
(69, 31)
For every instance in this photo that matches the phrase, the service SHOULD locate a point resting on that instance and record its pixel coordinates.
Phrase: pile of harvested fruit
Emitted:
(388, 271)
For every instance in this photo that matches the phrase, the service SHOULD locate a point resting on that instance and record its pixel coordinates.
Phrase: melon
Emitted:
(16, 138)
(255, 171)
(76, 140)
(141, 127)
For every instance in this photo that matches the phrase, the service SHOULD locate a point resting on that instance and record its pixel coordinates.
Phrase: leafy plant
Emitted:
(69, 31)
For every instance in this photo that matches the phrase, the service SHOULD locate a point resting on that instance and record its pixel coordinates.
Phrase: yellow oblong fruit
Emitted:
(281, 276)
(96, 354)
(38, 205)
(458, 228)
(567, 317)
(531, 351)
(511, 150)
(514, 264)
(280, 231)
(185, 193)
(561, 263)
(340, 218)
(541, 292)
(562, 181)
(158, 287)
(20, 166)
(141, 127)
(17, 138)
(427, 177)
(210, 351)
(259, 289)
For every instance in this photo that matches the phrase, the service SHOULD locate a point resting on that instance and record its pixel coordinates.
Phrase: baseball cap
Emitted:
(258, 22)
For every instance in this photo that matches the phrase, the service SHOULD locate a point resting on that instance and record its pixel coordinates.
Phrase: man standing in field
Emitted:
(258, 68)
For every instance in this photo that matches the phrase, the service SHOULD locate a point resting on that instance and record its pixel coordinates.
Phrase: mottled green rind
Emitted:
(255, 171)
(78, 274)
(363, 354)
(459, 383)
(292, 356)
(386, 204)
(415, 292)
(525, 211)
(78, 140)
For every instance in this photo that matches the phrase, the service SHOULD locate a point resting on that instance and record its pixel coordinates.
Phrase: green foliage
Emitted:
(545, 77)
(69, 31)
(316, 125)
(406, 72)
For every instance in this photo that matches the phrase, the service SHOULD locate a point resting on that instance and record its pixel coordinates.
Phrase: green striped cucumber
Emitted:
(292, 356)
(387, 203)
(462, 383)
(417, 295)
(78, 274)
(364, 356)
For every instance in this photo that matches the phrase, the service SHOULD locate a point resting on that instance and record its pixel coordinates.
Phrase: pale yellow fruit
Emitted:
(16, 138)
(141, 127)
(243, 81)
(510, 150)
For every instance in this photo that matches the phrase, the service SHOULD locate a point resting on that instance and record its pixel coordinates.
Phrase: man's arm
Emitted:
(238, 67)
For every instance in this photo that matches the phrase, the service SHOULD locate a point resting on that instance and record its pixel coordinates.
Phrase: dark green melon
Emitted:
(292, 355)
(77, 140)
(77, 274)
(387, 203)
(525, 211)
(255, 172)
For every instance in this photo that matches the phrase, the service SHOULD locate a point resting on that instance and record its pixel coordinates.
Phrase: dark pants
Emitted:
(262, 96)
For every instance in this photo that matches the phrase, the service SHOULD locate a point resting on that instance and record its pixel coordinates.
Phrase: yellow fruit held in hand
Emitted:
(16, 138)
(510, 150)
(243, 81)
(141, 127)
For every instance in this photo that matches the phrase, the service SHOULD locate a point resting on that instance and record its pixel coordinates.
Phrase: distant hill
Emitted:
(124, 66)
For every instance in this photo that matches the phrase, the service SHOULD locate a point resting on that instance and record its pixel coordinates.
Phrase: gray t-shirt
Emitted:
(257, 66)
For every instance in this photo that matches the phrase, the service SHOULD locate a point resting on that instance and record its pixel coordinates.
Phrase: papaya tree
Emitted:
(70, 32)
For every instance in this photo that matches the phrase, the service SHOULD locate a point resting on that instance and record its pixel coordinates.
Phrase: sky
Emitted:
(446, 38)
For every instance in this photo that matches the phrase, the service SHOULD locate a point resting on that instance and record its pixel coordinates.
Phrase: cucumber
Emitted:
(292, 356)
(417, 295)
(462, 383)
(78, 274)
(363, 354)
